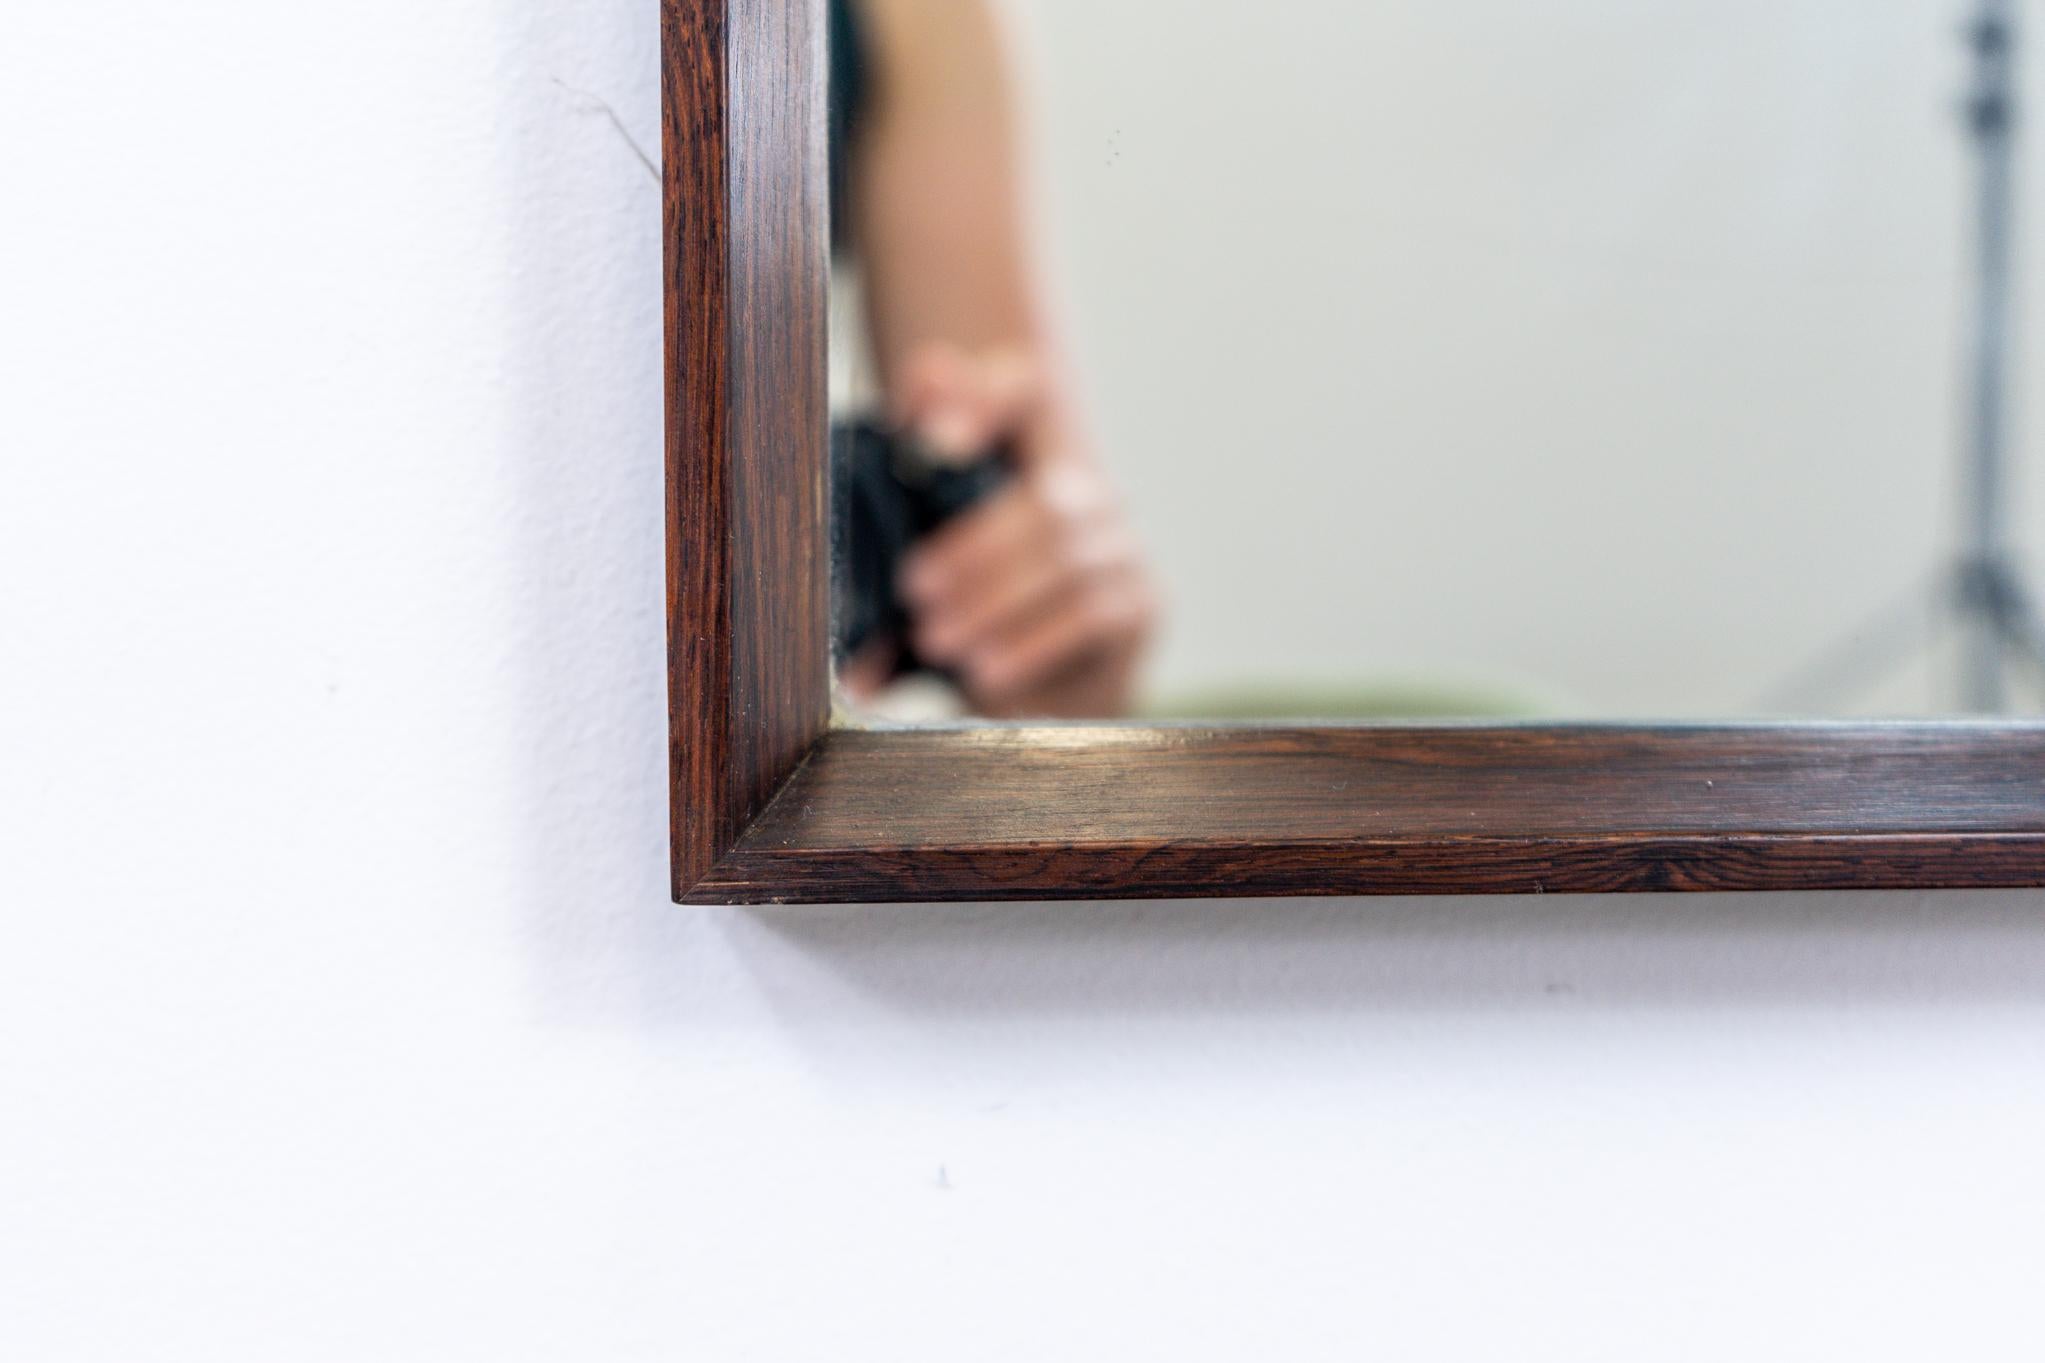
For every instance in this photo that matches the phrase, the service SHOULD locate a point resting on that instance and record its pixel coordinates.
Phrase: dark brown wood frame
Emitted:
(770, 803)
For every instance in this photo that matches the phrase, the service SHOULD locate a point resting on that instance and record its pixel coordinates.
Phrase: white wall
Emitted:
(342, 1015)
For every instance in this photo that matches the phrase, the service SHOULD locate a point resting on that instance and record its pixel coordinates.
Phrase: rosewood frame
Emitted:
(770, 803)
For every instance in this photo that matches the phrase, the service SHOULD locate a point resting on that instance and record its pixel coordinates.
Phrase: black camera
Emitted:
(888, 490)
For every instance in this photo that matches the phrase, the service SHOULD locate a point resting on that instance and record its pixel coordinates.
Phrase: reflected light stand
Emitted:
(1983, 592)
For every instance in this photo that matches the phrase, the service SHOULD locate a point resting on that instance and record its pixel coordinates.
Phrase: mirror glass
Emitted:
(1386, 359)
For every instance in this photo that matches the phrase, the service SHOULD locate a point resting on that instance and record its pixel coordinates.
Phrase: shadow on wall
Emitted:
(582, 388)
(1350, 955)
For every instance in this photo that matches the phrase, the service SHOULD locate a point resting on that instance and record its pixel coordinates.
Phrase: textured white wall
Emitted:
(342, 1015)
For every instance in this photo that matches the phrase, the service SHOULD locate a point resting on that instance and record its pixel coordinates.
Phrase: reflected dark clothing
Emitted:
(850, 91)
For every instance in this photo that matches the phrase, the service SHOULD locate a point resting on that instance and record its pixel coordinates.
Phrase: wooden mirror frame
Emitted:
(770, 803)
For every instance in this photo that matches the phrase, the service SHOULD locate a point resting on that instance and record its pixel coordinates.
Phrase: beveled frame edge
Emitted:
(769, 804)
(1107, 811)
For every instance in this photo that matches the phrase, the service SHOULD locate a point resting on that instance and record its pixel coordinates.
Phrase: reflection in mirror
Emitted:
(1326, 359)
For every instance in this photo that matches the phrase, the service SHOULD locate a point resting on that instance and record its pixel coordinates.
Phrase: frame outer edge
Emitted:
(697, 281)
(745, 213)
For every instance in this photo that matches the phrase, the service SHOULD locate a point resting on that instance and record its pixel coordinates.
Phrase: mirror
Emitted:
(1394, 360)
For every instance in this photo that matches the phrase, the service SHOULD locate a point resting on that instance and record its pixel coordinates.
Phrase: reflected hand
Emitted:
(1037, 599)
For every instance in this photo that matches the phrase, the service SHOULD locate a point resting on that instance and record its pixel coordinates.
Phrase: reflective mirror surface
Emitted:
(1325, 359)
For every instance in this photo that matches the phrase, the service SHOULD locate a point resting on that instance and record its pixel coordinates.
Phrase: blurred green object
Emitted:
(1379, 700)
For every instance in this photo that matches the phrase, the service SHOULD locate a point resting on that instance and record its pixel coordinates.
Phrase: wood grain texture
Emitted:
(744, 219)
(1083, 812)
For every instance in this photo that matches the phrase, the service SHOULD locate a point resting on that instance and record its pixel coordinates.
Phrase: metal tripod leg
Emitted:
(2009, 626)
